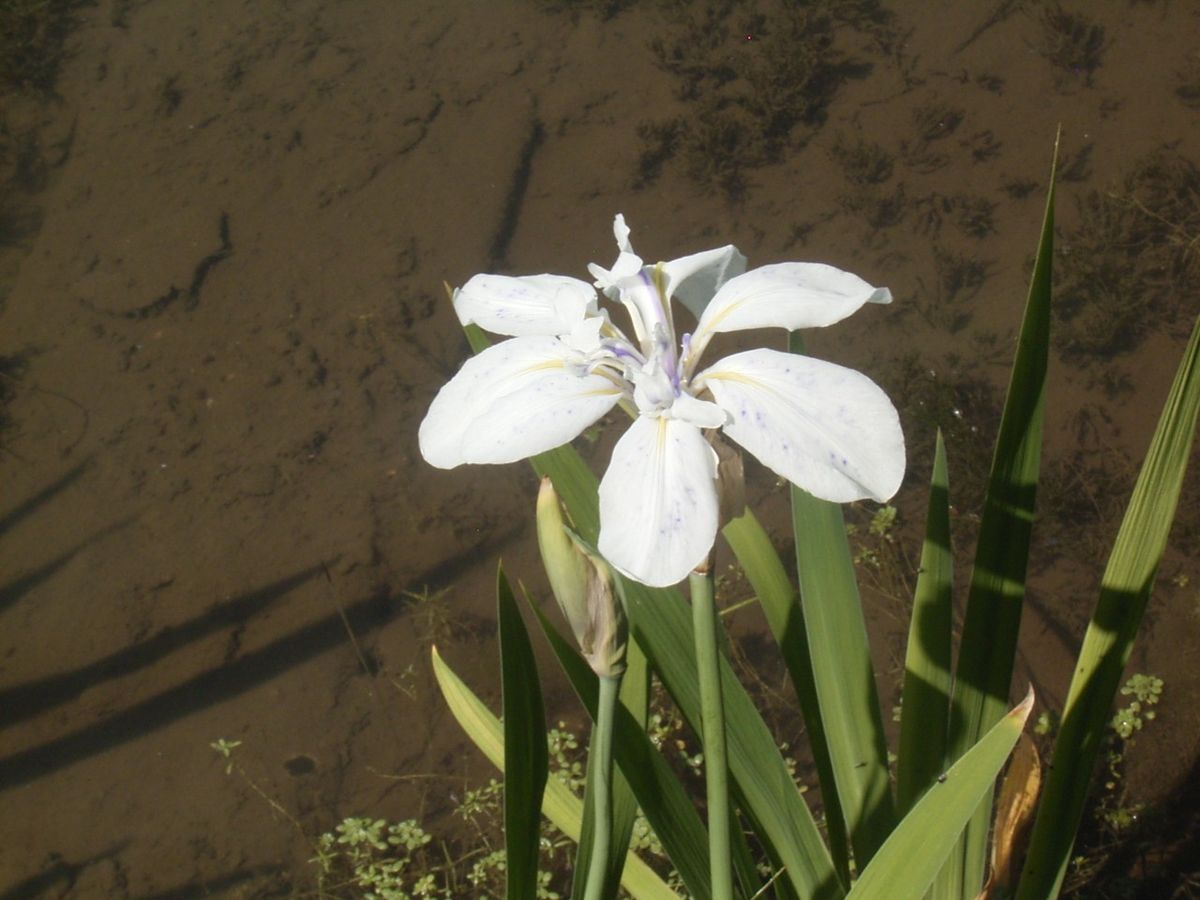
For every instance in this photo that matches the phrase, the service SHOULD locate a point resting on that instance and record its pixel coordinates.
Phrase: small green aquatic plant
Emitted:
(895, 825)
(1145, 690)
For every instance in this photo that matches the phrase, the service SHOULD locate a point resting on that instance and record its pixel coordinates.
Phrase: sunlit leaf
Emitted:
(909, 860)
(925, 702)
(559, 805)
(997, 592)
(1124, 593)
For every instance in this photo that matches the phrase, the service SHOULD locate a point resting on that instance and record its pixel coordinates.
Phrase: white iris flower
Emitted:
(828, 429)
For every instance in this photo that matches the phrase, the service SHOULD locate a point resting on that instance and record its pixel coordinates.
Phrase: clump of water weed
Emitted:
(972, 216)
(759, 76)
(945, 304)
(12, 368)
(1082, 493)
(1132, 266)
(954, 395)
(1188, 88)
(934, 121)
(861, 161)
(603, 9)
(31, 41)
(1072, 43)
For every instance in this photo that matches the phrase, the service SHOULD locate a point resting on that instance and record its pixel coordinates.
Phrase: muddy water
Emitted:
(223, 318)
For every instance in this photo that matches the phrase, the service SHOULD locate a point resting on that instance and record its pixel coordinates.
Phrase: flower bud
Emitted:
(582, 584)
(607, 636)
(565, 565)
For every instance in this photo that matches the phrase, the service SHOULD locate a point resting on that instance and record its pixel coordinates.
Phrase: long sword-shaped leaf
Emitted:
(909, 860)
(1124, 592)
(842, 670)
(524, 747)
(925, 702)
(559, 805)
(781, 608)
(996, 596)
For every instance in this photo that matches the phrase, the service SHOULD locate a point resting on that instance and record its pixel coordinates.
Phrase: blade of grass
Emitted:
(909, 860)
(712, 738)
(925, 701)
(1124, 592)
(843, 674)
(996, 596)
(781, 608)
(524, 747)
(559, 805)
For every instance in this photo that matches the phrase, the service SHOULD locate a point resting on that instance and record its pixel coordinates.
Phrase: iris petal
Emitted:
(658, 501)
(827, 429)
(525, 305)
(694, 280)
(516, 399)
(785, 295)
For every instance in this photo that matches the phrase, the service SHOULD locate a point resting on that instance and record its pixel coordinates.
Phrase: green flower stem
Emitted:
(712, 714)
(601, 767)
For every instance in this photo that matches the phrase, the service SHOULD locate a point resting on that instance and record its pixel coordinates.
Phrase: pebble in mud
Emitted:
(301, 764)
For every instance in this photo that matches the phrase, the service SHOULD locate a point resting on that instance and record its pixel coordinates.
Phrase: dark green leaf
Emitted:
(925, 702)
(525, 753)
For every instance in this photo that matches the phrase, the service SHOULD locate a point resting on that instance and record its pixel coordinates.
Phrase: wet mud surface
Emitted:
(225, 235)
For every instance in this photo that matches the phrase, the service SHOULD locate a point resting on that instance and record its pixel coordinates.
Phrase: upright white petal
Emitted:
(785, 295)
(628, 263)
(828, 429)
(694, 280)
(517, 398)
(658, 501)
(621, 233)
(525, 305)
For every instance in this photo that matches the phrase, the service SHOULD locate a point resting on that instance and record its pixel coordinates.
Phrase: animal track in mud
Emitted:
(190, 295)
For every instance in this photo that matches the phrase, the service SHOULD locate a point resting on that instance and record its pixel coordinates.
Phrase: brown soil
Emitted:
(225, 236)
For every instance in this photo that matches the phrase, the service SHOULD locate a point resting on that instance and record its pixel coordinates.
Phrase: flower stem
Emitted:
(712, 713)
(601, 774)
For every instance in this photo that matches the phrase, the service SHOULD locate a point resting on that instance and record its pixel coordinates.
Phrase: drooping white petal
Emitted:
(785, 295)
(517, 398)
(693, 280)
(525, 305)
(658, 501)
(829, 429)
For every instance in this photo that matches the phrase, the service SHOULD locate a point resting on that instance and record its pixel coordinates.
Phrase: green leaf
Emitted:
(1124, 592)
(524, 747)
(997, 592)
(842, 671)
(559, 805)
(925, 701)
(909, 860)
(781, 608)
